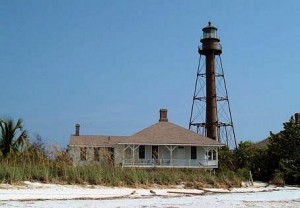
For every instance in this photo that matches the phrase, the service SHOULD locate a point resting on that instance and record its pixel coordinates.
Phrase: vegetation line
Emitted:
(29, 160)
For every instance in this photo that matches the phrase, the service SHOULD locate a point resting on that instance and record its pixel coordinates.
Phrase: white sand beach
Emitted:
(31, 194)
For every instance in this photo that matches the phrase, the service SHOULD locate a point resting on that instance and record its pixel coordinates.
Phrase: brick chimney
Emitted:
(163, 115)
(297, 118)
(77, 129)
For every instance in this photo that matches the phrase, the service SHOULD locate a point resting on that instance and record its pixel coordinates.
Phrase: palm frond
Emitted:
(19, 125)
(21, 142)
(8, 139)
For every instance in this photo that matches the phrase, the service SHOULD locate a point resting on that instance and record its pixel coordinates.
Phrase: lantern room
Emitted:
(210, 31)
(210, 41)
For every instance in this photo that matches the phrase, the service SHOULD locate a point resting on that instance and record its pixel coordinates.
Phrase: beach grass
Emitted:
(35, 166)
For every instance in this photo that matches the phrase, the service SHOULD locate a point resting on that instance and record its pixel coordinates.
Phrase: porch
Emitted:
(169, 156)
(166, 163)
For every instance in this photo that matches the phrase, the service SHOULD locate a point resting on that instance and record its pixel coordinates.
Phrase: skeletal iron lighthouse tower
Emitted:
(211, 114)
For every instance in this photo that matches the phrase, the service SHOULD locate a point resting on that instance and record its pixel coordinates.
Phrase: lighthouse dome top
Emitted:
(210, 31)
(209, 26)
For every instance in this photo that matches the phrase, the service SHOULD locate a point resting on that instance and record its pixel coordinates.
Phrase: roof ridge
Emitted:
(157, 133)
(93, 135)
(172, 124)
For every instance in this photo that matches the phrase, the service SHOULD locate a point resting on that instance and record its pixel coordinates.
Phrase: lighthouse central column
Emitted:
(211, 98)
(210, 113)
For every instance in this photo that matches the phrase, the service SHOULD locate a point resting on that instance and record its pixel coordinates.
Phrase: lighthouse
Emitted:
(211, 113)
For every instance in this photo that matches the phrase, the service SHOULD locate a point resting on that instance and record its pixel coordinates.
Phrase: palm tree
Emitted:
(12, 136)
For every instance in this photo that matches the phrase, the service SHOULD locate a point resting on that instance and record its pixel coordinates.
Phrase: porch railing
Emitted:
(169, 163)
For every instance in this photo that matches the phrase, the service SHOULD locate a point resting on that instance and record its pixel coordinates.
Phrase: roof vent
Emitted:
(163, 115)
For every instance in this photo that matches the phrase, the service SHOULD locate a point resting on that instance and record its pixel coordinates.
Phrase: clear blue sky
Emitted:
(111, 65)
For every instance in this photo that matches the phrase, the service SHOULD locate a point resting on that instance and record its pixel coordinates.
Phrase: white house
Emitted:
(163, 144)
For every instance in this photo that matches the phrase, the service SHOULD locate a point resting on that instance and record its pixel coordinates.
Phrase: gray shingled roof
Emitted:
(161, 133)
(166, 133)
(93, 140)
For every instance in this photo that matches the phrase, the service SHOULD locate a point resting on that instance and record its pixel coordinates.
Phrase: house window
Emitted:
(194, 153)
(142, 152)
(154, 152)
(82, 153)
(96, 153)
(111, 153)
(215, 155)
(209, 154)
(212, 155)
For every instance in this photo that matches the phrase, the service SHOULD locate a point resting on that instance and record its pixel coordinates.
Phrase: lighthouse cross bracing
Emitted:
(211, 113)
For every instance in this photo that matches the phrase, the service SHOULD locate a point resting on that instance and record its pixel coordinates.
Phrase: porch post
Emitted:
(206, 155)
(171, 156)
(126, 146)
(134, 147)
(171, 149)
(123, 155)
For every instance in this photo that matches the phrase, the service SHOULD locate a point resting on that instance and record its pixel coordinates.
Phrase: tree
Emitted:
(245, 155)
(284, 151)
(36, 147)
(37, 144)
(12, 136)
(226, 159)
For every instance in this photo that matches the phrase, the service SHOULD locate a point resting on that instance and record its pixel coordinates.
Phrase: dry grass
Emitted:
(35, 166)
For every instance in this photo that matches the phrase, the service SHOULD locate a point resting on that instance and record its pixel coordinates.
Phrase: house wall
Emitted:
(188, 153)
(75, 155)
(118, 155)
(163, 152)
(179, 155)
(201, 153)
(180, 152)
(74, 152)
(128, 153)
(89, 154)
(148, 152)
